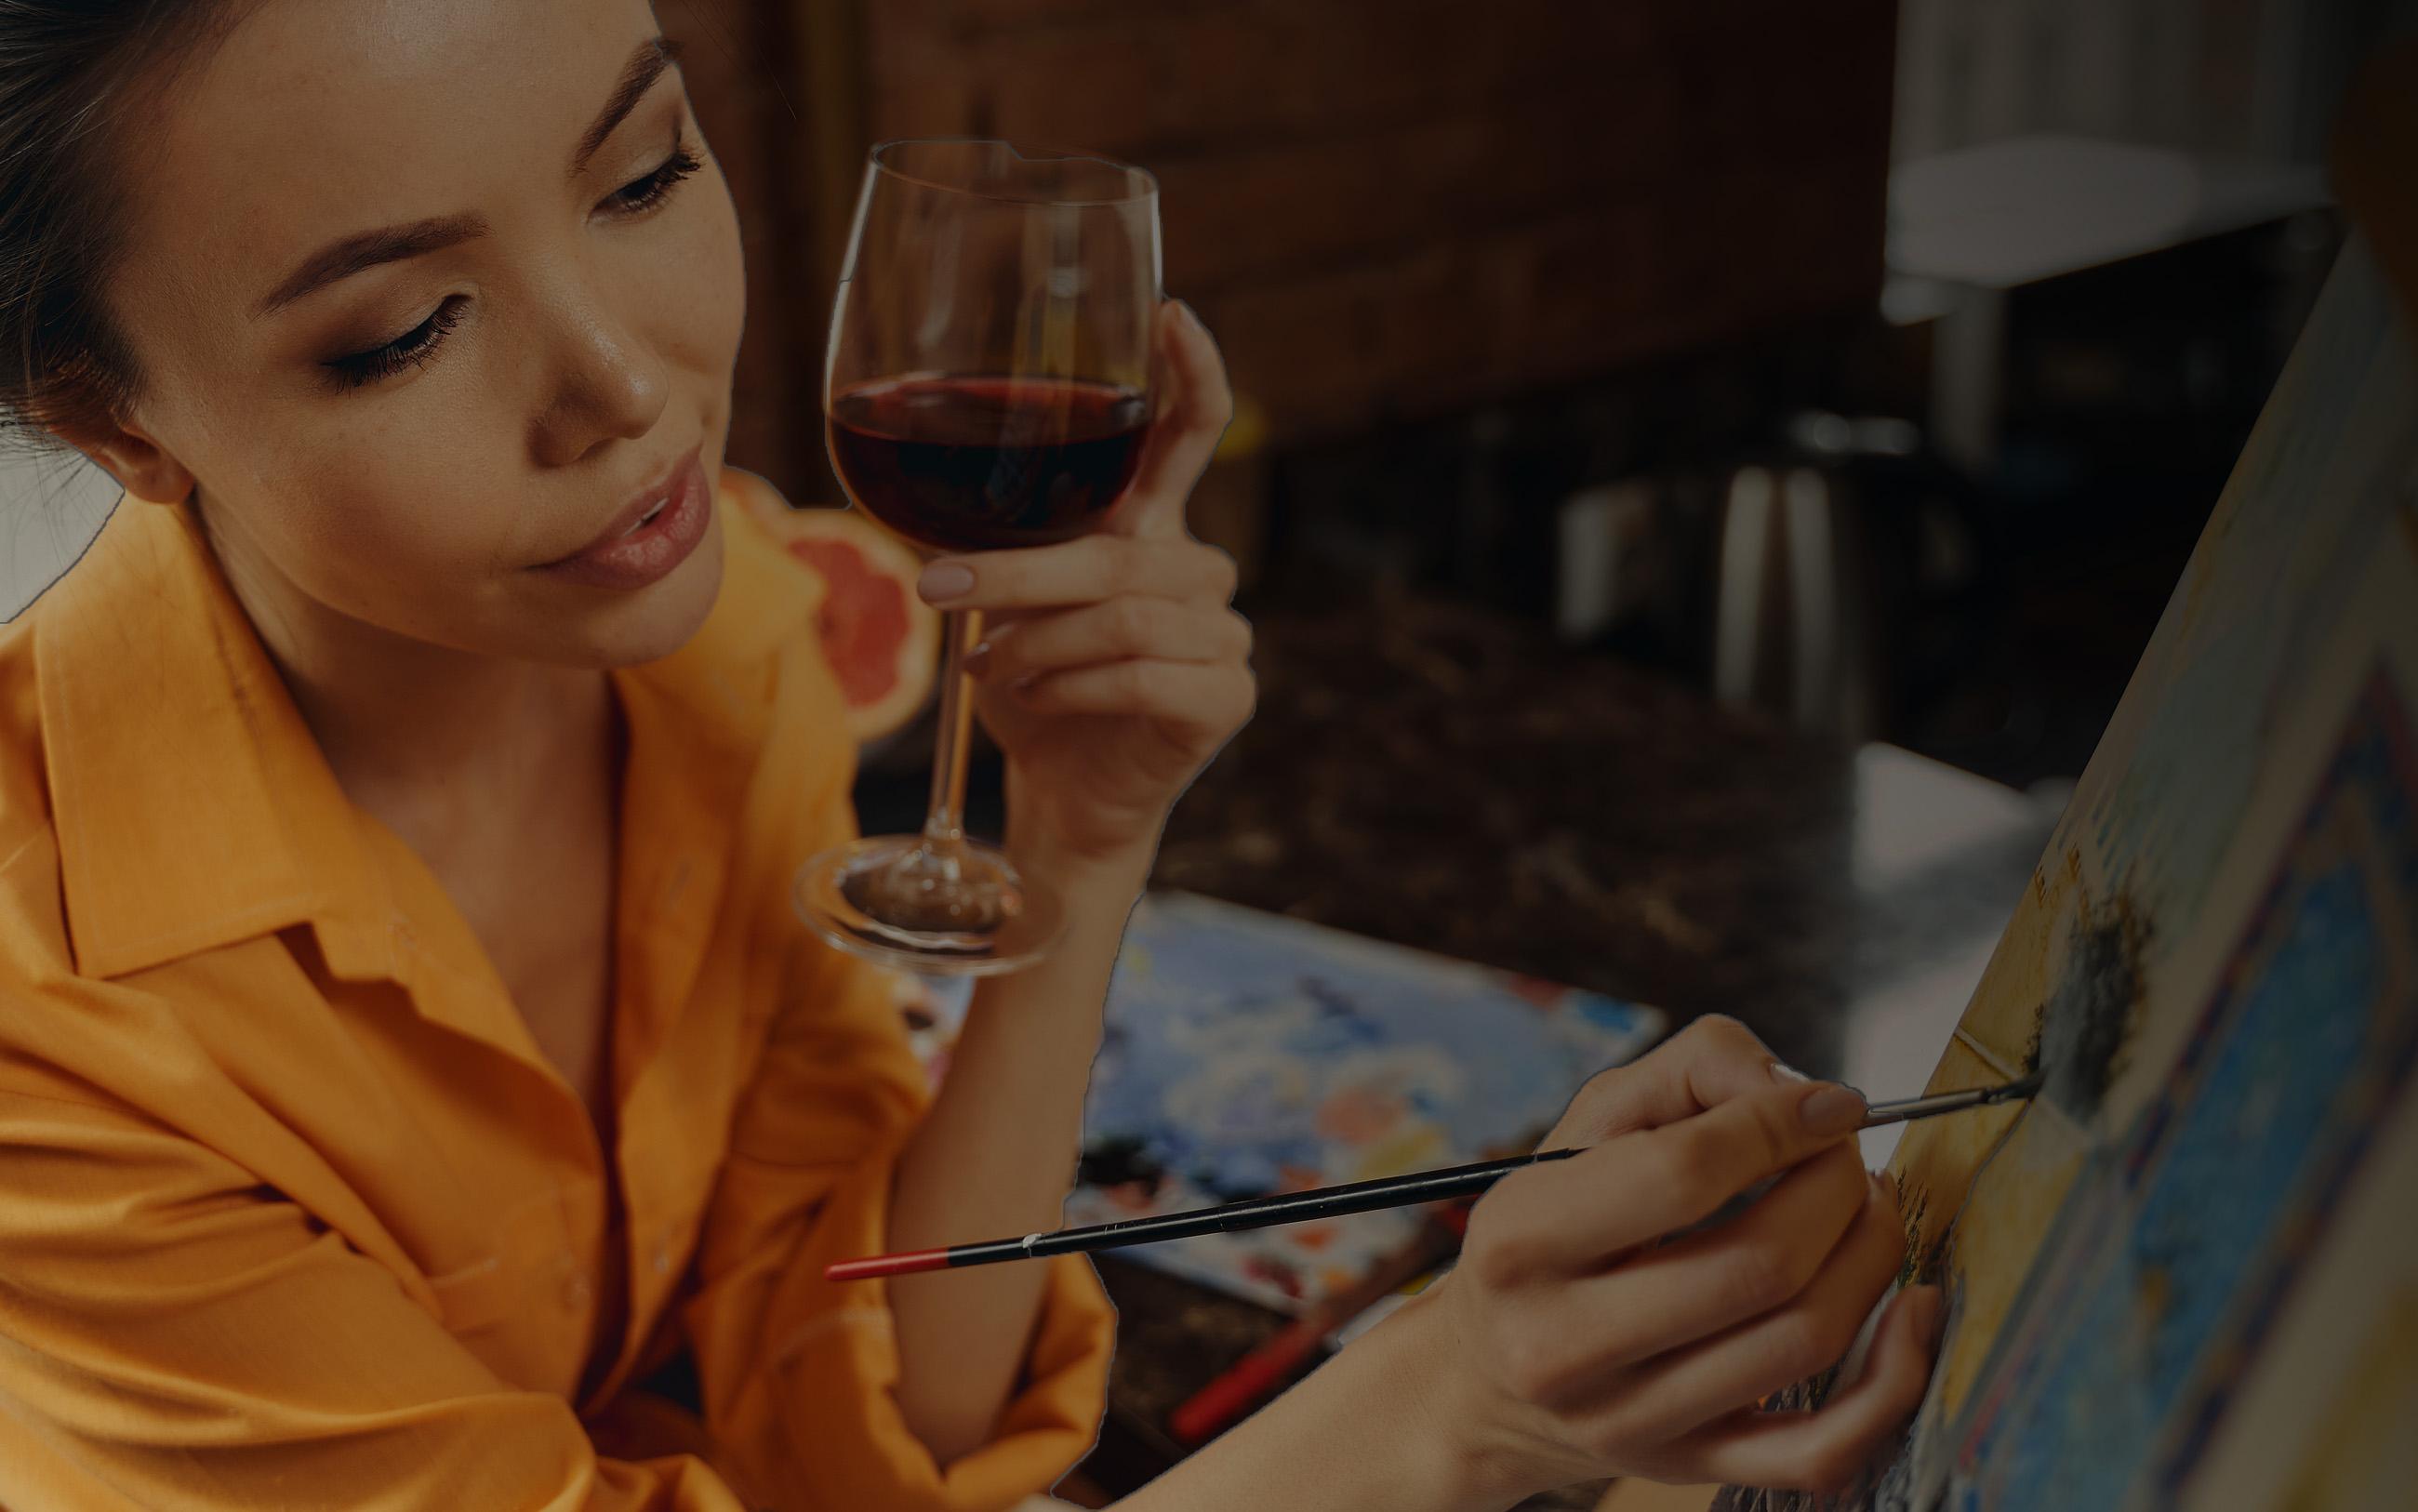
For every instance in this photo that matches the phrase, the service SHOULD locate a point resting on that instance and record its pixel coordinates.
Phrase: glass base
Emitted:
(957, 910)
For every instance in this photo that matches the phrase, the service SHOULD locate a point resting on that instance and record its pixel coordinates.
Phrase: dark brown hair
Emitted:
(75, 79)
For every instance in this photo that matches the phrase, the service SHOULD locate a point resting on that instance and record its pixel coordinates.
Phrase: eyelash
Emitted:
(408, 350)
(646, 193)
(417, 345)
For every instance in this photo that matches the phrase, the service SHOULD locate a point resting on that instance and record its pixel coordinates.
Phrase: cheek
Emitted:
(395, 539)
(705, 287)
(347, 498)
(356, 507)
(370, 497)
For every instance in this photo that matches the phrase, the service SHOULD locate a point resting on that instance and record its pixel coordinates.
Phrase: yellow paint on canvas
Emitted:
(1937, 1159)
(2015, 1199)
(2004, 1016)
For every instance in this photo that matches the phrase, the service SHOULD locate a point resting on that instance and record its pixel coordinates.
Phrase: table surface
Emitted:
(1450, 779)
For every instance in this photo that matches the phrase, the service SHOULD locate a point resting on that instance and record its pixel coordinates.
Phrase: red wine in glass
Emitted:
(976, 463)
(988, 386)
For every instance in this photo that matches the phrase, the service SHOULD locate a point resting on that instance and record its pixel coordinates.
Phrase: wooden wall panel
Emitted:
(1385, 207)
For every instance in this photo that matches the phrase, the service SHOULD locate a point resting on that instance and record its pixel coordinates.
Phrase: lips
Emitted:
(648, 537)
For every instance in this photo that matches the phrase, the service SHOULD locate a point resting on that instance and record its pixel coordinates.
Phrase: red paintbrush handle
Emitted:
(1215, 1406)
(905, 1264)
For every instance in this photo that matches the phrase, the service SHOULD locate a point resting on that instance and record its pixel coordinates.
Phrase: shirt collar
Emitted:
(699, 721)
(194, 808)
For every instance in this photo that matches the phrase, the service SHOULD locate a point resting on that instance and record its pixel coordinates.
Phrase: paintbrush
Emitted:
(1325, 1201)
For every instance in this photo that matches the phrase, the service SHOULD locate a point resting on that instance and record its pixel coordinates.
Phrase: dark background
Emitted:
(1550, 306)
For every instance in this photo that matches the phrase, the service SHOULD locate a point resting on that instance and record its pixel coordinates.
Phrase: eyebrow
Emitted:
(638, 75)
(353, 254)
(389, 244)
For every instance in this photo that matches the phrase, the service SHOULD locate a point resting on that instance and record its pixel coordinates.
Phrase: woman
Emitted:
(408, 1051)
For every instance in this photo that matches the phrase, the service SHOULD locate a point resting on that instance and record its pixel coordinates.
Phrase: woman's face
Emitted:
(431, 295)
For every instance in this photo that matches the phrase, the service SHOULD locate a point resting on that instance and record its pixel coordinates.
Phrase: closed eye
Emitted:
(642, 194)
(410, 349)
(416, 346)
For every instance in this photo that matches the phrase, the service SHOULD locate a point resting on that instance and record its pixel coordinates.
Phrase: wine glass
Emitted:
(988, 386)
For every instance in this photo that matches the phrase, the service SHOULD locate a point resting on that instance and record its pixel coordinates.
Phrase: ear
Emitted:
(141, 466)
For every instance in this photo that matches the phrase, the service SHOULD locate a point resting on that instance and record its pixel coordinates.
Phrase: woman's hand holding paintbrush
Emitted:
(1252, 1379)
(1685, 1325)
(1598, 1325)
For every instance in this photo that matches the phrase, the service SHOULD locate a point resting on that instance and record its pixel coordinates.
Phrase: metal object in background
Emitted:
(1791, 631)
(1852, 579)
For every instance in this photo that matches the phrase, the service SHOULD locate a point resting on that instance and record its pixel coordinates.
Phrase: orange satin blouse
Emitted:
(293, 1212)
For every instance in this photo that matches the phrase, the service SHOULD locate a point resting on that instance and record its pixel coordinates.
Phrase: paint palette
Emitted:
(1246, 1054)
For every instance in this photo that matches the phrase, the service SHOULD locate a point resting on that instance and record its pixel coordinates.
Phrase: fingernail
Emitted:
(1831, 1108)
(1883, 1188)
(944, 580)
(1782, 1071)
(977, 658)
(1191, 316)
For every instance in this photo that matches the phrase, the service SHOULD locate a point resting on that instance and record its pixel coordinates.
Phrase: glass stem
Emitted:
(944, 822)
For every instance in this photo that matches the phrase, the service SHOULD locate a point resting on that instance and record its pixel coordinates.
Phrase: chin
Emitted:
(656, 620)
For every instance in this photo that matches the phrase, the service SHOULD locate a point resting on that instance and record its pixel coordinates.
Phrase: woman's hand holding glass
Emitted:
(1114, 665)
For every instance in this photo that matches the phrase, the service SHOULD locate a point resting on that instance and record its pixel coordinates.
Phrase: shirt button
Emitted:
(578, 1290)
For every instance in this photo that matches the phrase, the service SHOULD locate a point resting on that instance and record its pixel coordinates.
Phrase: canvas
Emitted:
(2175, 1278)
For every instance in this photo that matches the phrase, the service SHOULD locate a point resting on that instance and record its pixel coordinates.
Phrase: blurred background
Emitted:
(1871, 363)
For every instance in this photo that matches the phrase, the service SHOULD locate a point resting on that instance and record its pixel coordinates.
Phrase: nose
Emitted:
(608, 385)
